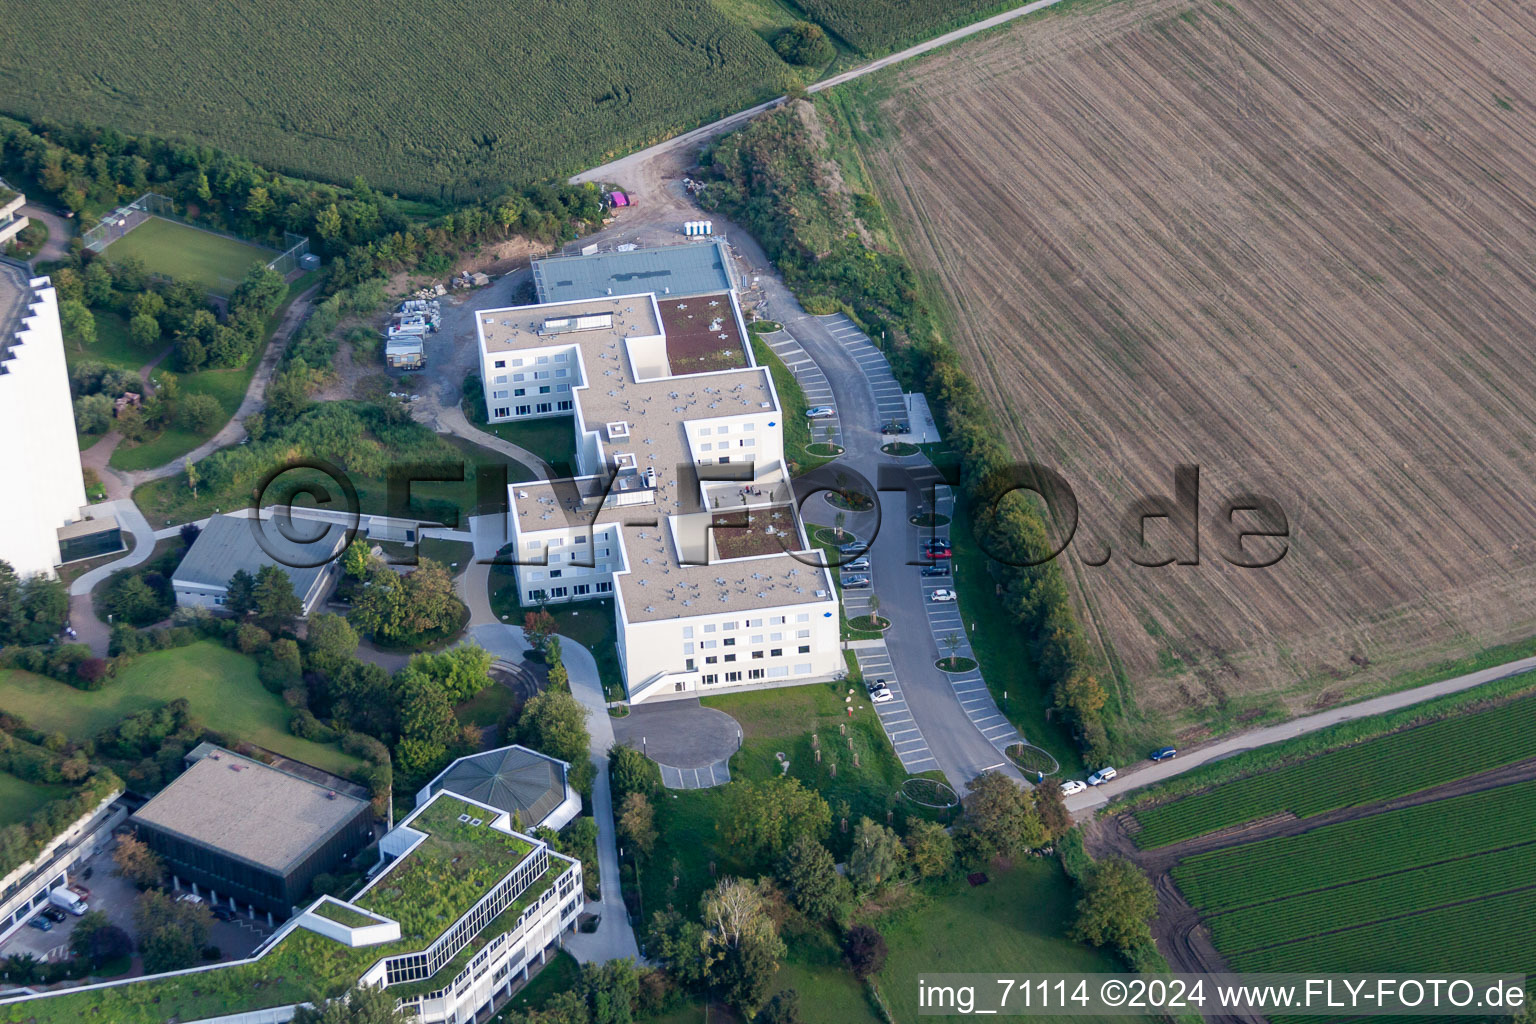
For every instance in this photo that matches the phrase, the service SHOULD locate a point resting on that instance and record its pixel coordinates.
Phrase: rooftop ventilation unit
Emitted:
(617, 431)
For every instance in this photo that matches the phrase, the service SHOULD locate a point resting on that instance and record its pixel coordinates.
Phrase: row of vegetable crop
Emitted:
(1354, 850)
(1391, 766)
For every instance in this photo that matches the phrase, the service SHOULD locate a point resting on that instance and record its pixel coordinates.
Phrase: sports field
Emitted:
(19, 798)
(212, 262)
(1286, 241)
(220, 684)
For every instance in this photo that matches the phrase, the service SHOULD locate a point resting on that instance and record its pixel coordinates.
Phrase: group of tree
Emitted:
(732, 947)
(32, 610)
(406, 609)
(172, 934)
(52, 760)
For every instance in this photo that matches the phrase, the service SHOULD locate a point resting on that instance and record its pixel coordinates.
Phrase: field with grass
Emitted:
(220, 684)
(1272, 239)
(19, 798)
(552, 439)
(215, 263)
(1020, 916)
(1365, 773)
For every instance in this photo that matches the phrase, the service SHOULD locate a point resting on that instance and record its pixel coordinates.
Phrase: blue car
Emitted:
(1164, 754)
(41, 923)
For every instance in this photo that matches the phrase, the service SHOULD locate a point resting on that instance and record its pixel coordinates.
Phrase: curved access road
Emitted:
(627, 167)
(1085, 804)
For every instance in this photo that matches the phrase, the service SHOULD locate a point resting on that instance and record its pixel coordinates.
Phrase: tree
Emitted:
(1117, 906)
(404, 609)
(838, 521)
(200, 413)
(805, 44)
(874, 609)
(612, 990)
(363, 1004)
(273, 599)
(461, 672)
(93, 414)
(78, 321)
(637, 822)
(138, 863)
(783, 1008)
(427, 724)
(538, 627)
(1051, 806)
(998, 818)
(144, 330)
(865, 951)
(555, 723)
(97, 281)
(240, 595)
(810, 879)
(172, 935)
(189, 532)
(97, 940)
(932, 849)
(630, 771)
(356, 559)
(951, 643)
(761, 819)
(330, 643)
(131, 600)
(741, 945)
(877, 856)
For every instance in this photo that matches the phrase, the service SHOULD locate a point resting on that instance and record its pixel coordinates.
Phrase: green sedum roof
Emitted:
(426, 890)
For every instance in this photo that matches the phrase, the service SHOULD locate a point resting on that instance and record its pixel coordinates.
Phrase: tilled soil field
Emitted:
(1292, 243)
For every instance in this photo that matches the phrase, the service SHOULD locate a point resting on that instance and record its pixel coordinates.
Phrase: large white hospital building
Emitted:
(681, 508)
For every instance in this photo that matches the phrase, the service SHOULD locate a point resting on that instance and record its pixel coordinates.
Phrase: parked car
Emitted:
(935, 570)
(856, 548)
(189, 897)
(942, 595)
(882, 697)
(857, 565)
(878, 684)
(1102, 776)
(80, 890)
(855, 582)
(224, 913)
(54, 914)
(935, 542)
(820, 412)
(1072, 786)
(1164, 754)
(932, 553)
(41, 923)
(66, 900)
(896, 427)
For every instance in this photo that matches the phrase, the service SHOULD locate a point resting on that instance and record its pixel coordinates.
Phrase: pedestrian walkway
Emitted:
(895, 717)
(814, 383)
(882, 382)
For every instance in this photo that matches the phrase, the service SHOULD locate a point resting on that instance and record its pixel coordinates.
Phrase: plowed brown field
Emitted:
(1292, 242)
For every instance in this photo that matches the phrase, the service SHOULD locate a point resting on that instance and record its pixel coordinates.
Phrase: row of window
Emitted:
(773, 652)
(502, 411)
(576, 590)
(725, 428)
(713, 678)
(772, 620)
(544, 389)
(558, 357)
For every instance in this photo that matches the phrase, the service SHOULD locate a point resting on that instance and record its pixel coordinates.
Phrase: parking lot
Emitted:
(116, 898)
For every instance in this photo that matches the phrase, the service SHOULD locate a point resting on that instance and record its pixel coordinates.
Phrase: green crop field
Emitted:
(1443, 886)
(431, 99)
(212, 262)
(880, 26)
(1390, 766)
(220, 684)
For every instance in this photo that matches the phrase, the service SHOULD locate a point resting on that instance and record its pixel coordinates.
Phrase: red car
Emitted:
(937, 553)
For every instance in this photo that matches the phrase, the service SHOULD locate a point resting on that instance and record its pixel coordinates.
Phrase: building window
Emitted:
(605, 588)
(757, 655)
(805, 648)
(554, 574)
(544, 407)
(709, 644)
(523, 410)
(729, 641)
(582, 589)
(557, 591)
(710, 679)
(777, 652)
(499, 394)
(712, 660)
(801, 634)
(687, 630)
(688, 664)
(756, 673)
(519, 392)
(501, 364)
(502, 411)
(730, 657)
(543, 389)
(733, 677)
(563, 406)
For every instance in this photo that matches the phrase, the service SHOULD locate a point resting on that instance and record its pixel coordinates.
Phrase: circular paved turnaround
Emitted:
(692, 744)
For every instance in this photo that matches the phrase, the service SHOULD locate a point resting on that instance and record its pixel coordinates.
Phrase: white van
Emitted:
(66, 900)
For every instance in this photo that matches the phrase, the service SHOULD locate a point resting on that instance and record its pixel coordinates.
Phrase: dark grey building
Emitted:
(229, 543)
(237, 828)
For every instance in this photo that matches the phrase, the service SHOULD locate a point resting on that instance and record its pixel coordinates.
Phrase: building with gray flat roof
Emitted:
(692, 268)
(526, 784)
(228, 544)
(250, 832)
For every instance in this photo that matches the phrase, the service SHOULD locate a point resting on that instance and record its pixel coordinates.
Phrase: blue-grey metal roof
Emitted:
(694, 268)
(513, 779)
(227, 543)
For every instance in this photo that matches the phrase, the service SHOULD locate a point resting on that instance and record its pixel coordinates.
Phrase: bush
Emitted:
(250, 638)
(199, 413)
(805, 44)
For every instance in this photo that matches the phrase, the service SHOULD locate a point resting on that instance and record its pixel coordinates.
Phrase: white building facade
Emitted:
(40, 460)
(681, 510)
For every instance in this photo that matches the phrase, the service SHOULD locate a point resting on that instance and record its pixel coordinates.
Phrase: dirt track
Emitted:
(1178, 928)
(1289, 242)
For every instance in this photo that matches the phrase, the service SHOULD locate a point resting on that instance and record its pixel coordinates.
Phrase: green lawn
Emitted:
(212, 262)
(560, 974)
(488, 707)
(589, 623)
(553, 440)
(1016, 922)
(20, 798)
(112, 346)
(797, 429)
(220, 684)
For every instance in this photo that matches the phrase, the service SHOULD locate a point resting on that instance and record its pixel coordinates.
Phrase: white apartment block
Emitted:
(681, 509)
(40, 461)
